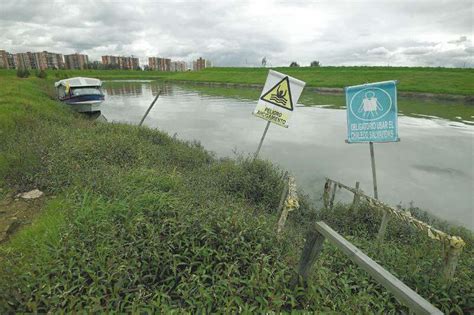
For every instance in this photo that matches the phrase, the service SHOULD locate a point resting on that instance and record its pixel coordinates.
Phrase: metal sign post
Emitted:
(374, 174)
(372, 116)
(261, 140)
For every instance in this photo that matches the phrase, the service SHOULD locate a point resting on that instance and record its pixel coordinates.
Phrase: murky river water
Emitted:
(432, 166)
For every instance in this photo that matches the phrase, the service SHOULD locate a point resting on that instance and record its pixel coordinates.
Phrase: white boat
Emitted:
(82, 94)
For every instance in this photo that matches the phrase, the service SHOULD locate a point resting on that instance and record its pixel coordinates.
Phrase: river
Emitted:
(432, 167)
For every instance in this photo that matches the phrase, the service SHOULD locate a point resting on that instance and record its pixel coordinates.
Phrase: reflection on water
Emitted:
(123, 88)
(134, 88)
(431, 166)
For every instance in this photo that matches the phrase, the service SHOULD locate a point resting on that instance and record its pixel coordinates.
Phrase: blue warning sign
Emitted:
(372, 112)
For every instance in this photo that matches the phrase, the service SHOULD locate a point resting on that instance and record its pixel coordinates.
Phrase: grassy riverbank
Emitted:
(420, 80)
(409, 106)
(136, 220)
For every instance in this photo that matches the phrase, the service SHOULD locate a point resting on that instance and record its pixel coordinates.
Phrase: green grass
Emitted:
(144, 222)
(422, 80)
(431, 80)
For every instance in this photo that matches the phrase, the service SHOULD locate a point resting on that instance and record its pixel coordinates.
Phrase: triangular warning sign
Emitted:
(279, 95)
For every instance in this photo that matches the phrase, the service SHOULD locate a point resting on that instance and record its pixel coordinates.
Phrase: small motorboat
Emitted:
(83, 94)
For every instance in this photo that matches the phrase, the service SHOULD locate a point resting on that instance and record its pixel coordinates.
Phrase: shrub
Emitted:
(22, 73)
(41, 74)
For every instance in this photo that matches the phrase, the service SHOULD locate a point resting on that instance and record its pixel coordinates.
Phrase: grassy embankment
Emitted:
(417, 80)
(409, 106)
(421, 80)
(135, 219)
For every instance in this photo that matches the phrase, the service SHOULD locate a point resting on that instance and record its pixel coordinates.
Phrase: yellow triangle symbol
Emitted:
(279, 95)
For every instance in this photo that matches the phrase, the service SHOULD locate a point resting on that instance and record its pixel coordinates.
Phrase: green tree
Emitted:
(294, 64)
(22, 73)
(315, 63)
(41, 74)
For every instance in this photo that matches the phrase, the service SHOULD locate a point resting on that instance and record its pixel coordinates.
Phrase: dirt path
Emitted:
(16, 212)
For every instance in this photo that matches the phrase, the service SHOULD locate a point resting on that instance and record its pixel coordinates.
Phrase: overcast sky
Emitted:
(240, 33)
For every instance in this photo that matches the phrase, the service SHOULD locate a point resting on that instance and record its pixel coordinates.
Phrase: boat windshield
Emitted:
(86, 91)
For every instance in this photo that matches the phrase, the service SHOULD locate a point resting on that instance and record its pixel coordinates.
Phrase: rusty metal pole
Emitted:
(149, 108)
(261, 141)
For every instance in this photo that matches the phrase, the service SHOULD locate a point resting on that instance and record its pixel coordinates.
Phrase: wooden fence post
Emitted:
(312, 249)
(331, 203)
(416, 303)
(383, 226)
(284, 192)
(327, 189)
(290, 202)
(451, 261)
(355, 201)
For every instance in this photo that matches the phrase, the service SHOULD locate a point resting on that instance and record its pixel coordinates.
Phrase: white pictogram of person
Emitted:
(370, 105)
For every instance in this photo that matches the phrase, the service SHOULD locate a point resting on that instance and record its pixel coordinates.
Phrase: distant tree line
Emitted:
(25, 73)
(314, 63)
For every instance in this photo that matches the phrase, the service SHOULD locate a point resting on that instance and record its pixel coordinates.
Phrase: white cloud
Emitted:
(379, 51)
(240, 33)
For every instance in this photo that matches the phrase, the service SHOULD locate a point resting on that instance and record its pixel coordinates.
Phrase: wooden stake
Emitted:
(331, 203)
(355, 201)
(401, 291)
(284, 192)
(149, 108)
(450, 262)
(383, 226)
(312, 249)
(327, 189)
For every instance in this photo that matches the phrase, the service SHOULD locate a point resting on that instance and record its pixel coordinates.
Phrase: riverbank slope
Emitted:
(136, 220)
(447, 81)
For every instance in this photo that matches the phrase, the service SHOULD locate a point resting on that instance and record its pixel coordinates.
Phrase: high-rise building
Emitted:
(110, 60)
(53, 60)
(199, 64)
(7, 60)
(178, 66)
(23, 61)
(124, 63)
(39, 60)
(159, 64)
(76, 61)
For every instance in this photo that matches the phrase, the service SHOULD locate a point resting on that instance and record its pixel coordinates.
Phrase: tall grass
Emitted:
(144, 222)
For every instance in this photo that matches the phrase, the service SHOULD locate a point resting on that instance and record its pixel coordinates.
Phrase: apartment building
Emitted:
(178, 66)
(24, 60)
(159, 64)
(200, 64)
(76, 61)
(7, 60)
(38, 60)
(119, 62)
(53, 60)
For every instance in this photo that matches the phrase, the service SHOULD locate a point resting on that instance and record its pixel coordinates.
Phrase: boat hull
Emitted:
(85, 103)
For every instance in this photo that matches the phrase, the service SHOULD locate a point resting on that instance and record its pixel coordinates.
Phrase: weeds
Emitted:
(144, 222)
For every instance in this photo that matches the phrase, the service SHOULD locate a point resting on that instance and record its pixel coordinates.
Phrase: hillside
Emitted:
(419, 80)
(135, 220)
